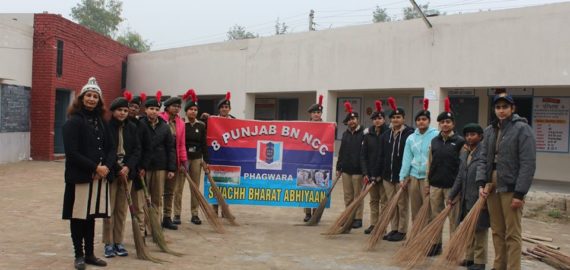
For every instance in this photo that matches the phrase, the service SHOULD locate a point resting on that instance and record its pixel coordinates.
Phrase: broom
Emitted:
(206, 208)
(421, 220)
(220, 198)
(339, 226)
(418, 249)
(316, 218)
(142, 251)
(463, 236)
(384, 219)
(152, 215)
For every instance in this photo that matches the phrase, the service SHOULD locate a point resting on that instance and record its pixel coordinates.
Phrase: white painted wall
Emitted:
(16, 43)
(526, 47)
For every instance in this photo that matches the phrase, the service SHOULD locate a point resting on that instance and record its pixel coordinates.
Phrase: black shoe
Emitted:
(369, 230)
(387, 236)
(435, 250)
(476, 267)
(176, 220)
(79, 263)
(196, 220)
(397, 237)
(308, 217)
(92, 260)
(466, 263)
(357, 223)
(167, 224)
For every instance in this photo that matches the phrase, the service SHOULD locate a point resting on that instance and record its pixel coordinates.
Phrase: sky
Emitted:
(171, 24)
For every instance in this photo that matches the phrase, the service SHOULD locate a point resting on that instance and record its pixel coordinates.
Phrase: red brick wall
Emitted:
(85, 54)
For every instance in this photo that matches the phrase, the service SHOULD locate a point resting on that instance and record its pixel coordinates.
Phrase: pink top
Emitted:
(180, 138)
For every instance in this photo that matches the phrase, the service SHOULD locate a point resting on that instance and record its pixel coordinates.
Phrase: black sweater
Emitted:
(196, 141)
(392, 153)
(163, 151)
(444, 162)
(349, 153)
(370, 154)
(131, 145)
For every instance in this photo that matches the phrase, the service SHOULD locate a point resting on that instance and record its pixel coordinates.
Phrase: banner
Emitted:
(273, 163)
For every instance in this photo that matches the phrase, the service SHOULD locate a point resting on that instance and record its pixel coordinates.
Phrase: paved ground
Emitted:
(34, 237)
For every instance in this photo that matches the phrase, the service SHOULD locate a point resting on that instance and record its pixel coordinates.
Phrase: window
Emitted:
(59, 65)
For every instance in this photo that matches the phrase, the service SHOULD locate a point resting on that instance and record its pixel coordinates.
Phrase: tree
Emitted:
(134, 40)
(411, 13)
(102, 16)
(239, 32)
(280, 28)
(380, 15)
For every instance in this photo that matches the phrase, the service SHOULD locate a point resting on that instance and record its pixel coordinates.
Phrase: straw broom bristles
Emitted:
(153, 215)
(345, 217)
(417, 250)
(316, 218)
(384, 219)
(553, 253)
(421, 220)
(142, 251)
(209, 212)
(551, 257)
(463, 236)
(221, 201)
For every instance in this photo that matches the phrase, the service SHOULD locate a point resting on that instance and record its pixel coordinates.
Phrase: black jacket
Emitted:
(392, 153)
(370, 154)
(444, 160)
(131, 145)
(349, 153)
(143, 135)
(86, 146)
(163, 151)
(196, 141)
(467, 188)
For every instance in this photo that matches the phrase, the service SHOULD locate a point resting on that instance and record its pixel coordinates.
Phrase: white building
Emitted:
(525, 50)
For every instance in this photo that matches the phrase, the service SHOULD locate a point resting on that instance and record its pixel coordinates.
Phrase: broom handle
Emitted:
(217, 192)
(129, 199)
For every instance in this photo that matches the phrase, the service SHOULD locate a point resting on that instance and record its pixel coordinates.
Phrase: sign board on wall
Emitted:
(551, 117)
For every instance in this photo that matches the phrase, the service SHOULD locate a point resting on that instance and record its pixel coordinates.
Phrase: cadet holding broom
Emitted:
(391, 155)
(348, 162)
(197, 153)
(416, 153)
(124, 134)
(172, 107)
(315, 114)
(90, 154)
(370, 163)
(443, 168)
(465, 184)
(162, 161)
(508, 160)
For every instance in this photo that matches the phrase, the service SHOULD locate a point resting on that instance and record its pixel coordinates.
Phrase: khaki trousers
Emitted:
(169, 187)
(352, 185)
(477, 250)
(139, 203)
(114, 227)
(155, 184)
(416, 188)
(400, 219)
(195, 173)
(378, 200)
(437, 199)
(507, 229)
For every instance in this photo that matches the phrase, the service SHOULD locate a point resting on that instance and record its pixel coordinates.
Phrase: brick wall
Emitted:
(85, 54)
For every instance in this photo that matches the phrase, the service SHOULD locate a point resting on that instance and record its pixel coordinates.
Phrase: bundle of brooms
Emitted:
(344, 222)
(209, 212)
(417, 250)
(556, 259)
(384, 219)
(220, 198)
(153, 217)
(318, 213)
(142, 251)
(421, 220)
(454, 253)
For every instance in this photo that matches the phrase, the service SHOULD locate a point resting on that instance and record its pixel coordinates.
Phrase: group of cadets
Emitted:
(444, 168)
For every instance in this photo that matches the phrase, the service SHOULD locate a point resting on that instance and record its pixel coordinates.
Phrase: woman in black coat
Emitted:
(89, 151)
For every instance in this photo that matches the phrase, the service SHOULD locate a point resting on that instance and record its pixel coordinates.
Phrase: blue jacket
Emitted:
(416, 154)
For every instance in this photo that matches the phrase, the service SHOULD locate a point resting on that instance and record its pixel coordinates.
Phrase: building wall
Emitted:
(525, 47)
(86, 54)
(16, 40)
